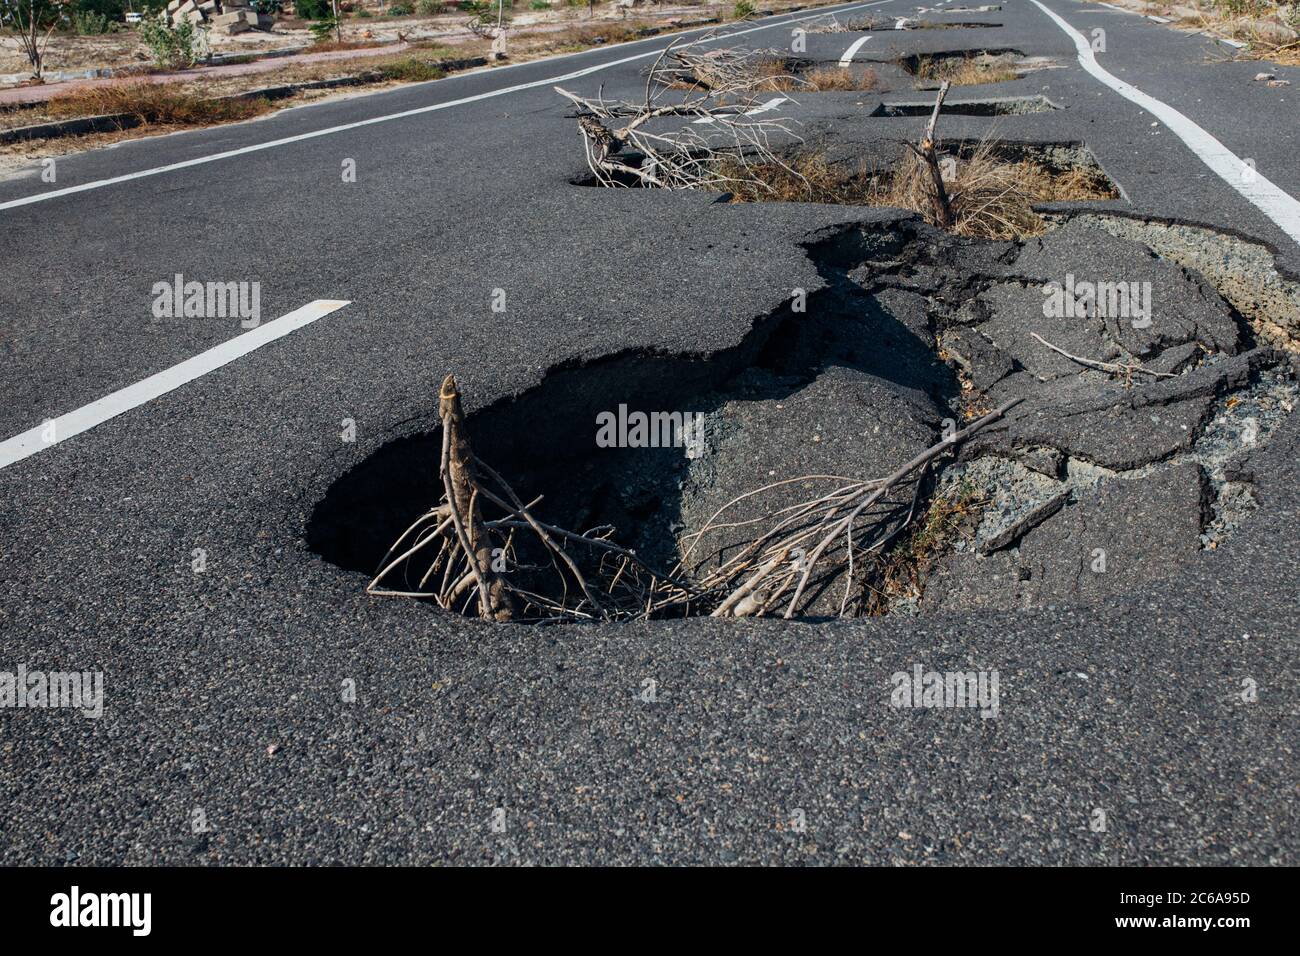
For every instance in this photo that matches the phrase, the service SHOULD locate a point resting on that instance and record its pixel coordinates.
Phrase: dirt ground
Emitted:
(123, 49)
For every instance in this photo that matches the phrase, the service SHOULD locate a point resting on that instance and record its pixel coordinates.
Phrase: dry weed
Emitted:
(155, 104)
(966, 70)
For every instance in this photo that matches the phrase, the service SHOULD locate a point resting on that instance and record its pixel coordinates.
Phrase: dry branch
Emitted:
(1127, 369)
(927, 154)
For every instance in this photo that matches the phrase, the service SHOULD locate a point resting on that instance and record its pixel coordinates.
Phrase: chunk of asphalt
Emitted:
(983, 361)
(1108, 424)
(1145, 303)
(1045, 461)
(1018, 313)
(1117, 538)
(1025, 523)
(1177, 359)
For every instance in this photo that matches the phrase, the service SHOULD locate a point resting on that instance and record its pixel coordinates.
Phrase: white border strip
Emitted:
(1277, 205)
(258, 147)
(51, 432)
(854, 47)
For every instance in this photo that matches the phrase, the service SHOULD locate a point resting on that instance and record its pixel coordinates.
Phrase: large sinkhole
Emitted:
(965, 67)
(994, 185)
(1137, 413)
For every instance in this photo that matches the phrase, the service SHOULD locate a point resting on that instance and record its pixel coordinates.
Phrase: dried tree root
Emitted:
(463, 497)
(760, 574)
(464, 558)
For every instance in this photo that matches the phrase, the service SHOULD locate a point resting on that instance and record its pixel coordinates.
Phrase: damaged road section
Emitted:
(1134, 395)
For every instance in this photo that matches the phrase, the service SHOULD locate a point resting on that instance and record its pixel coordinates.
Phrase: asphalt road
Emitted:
(224, 688)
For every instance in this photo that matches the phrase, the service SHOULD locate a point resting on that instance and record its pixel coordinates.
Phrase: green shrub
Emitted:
(314, 9)
(539, 5)
(88, 23)
(173, 47)
(400, 9)
(324, 30)
(743, 9)
(430, 8)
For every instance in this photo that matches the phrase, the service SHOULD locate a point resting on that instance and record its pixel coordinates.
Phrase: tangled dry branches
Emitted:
(804, 548)
(626, 146)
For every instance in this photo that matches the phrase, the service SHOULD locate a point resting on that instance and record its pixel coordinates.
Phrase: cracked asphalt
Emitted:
(225, 690)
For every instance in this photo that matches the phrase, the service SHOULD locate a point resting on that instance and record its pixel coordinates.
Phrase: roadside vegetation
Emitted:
(1270, 30)
(172, 105)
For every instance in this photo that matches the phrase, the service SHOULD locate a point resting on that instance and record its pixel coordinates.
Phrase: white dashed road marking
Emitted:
(272, 144)
(56, 430)
(854, 47)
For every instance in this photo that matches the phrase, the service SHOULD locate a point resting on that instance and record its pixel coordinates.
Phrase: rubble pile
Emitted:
(223, 16)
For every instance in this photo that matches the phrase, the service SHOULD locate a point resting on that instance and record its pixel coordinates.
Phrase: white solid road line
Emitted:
(53, 431)
(272, 144)
(854, 47)
(1277, 205)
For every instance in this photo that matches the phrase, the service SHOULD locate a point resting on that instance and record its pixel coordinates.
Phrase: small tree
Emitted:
(174, 46)
(33, 22)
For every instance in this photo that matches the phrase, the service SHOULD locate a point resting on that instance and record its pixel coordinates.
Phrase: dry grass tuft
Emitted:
(900, 574)
(773, 74)
(805, 177)
(827, 78)
(966, 70)
(991, 198)
(155, 104)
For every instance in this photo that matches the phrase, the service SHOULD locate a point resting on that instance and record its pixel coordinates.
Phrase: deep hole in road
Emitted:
(994, 184)
(996, 106)
(965, 67)
(1106, 478)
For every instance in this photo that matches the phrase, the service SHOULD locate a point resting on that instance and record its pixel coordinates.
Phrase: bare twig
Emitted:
(1126, 369)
